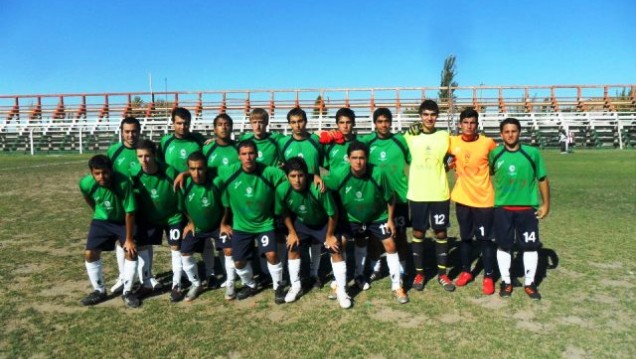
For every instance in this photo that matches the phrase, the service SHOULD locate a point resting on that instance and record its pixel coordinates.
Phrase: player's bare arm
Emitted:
(129, 246)
(544, 189)
(292, 236)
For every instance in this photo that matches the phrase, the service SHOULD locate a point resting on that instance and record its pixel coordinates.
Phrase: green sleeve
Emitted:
(278, 202)
(328, 203)
(129, 204)
(85, 185)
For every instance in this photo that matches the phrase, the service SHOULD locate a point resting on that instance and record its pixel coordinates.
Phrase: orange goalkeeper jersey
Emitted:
(473, 186)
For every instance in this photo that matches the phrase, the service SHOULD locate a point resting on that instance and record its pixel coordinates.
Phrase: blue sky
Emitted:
(111, 46)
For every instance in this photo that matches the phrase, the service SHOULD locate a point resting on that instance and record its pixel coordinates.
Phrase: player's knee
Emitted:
(389, 246)
(440, 234)
(271, 257)
(418, 234)
(227, 252)
(293, 254)
(337, 257)
(240, 264)
(91, 255)
(175, 248)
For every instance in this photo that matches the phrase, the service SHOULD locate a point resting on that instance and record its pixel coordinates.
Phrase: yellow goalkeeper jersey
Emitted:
(427, 175)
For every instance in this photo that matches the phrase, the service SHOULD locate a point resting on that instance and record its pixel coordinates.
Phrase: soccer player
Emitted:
(428, 194)
(249, 191)
(221, 152)
(202, 202)
(474, 197)
(266, 142)
(389, 153)
(111, 198)
(336, 153)
(159, 213)
(175, 148)
(309, 215)
(123, 156)
(519, 177)
(369, 204)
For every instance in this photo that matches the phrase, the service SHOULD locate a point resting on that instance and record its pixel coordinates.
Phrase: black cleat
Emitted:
(130, 299)
(177, 294)
(245, 292)
(532, 291)
(94, 298)
(505, 290)
(317, 283)
(213, 283)
(279, 294)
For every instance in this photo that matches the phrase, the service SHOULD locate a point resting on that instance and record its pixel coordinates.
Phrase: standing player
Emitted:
(369, 205)
(266, 142)
(309, 215)
(158, 213)
(389, 153)
(221, 152)
(519, 177)
(428, 192)
(123, 156)
(249, 191)
(111, 198)
(201, 200)
(474, 197)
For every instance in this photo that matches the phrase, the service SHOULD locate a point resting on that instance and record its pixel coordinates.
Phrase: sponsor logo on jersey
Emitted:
(213, 157)
(499, 163)
(335, 151)
(120, 161)
(190, 197)
(372, 149)
(288, 152)
(347, 189)
(237, 184)
(291, 201)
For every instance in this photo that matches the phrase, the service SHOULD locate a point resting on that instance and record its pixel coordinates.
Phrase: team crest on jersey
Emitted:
(302, 208)
(183, 153)
(359, 196)
(205, 202)
(382, 156)
(260, 154)
(225, 161)
(153, 193)
(249, 192)
(512, 170)
(108, 206)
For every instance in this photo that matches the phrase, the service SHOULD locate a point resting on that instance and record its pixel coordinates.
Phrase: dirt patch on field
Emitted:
(574, 320)
(403, 319)
(613, 265)
(490, 302)
(570, 273)
(58, 308)
(572, 352)
(616, 283)
(65, 288)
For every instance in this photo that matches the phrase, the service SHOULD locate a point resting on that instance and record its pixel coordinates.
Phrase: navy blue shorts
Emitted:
(425, 213)
(243, 244)
(401, 217)
(222, 241)
(376, 230)
(102, 235)
(474, 222)
(524, 224)
(196, 243)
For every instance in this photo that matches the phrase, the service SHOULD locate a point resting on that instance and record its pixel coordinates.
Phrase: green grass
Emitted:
(588, 309)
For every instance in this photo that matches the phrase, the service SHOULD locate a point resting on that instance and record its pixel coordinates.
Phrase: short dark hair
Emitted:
(469, 112)
(130, 121)
(382, 111)
(246, 143)
(197, 156)
(358, 146)
(509, 121)
(147, 145)
(346, 112)
(296, 164)
(184, 113)
(296, 111)
(259, 113)
(224, 116)
(100, 162)
(428, 105)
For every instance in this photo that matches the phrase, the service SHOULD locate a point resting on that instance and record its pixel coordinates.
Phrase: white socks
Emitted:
(340, 275)
(121, 256)
(230, 270)
(144, 262)
(247, 275)
(393, 262)
(130, 269)
(276, 272)
(530, 262)
(504, 260)
(293, 266)
(190, 267)
(314, 254)
(177, 267)
(96, 275)
(360, 254)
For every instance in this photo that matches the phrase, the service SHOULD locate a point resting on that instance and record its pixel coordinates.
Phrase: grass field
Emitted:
(588, 310)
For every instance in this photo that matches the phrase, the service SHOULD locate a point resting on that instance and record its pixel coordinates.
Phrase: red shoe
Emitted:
(463, 279)
(488, 286)
(418, 282)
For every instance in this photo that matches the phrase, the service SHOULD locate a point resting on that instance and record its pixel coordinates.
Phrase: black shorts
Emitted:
(196, 243)
(524, 224)
(150, 234)
(375, 230)
(474, 222)
(401, 217)
(423, 214)
(312, 234)
(222, 241)
(243, 244)
(102, 235)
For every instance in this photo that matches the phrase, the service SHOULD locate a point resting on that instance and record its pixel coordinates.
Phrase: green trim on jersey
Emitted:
(124, 159)
(310, 206)
(113, 202)
(309, 149)
(251, 196)
(267, 147)
(364, 199)
(391, 155)
(175, 151)
(516, 176)
(157, 201)
(203, 203)
(220, 155)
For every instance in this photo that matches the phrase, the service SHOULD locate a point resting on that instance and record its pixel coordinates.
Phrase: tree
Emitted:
(448, 79)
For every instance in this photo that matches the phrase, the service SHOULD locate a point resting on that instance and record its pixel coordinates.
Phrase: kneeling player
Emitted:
(111, 198)
(201, 198)
(314, 218)
(369, 205)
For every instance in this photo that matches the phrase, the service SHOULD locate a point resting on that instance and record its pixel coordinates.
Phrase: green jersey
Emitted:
(516, 175)
(308, 148)
(112, 202)
(251, 196)
(175, 151)
(336, 154)
(220, 155)
(267, 147)
(203, 203)
(158, 202)
(365, 198)
(310, 206)
(124, 159)
(391, 155)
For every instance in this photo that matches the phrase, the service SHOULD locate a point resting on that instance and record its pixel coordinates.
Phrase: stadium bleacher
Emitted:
(599, 116)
